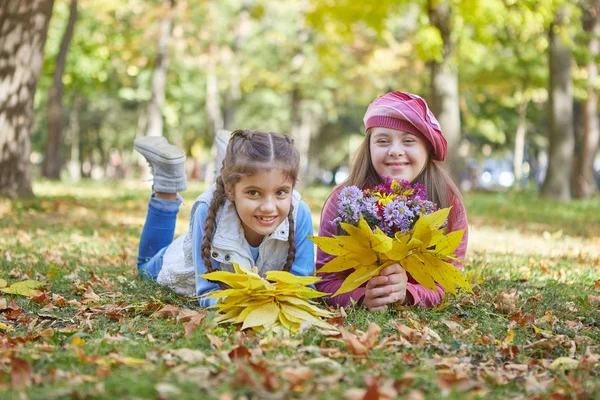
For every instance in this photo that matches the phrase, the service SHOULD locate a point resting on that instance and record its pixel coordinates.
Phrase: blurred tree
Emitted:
(159, 73)
(53, 158)
(23, 31)
(444, 96)
(560, 135)
(583, 180)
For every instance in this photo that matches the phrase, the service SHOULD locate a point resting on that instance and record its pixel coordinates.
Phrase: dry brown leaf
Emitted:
(89, 296)
(188, 355)
(21, 373)
(353, 344)
(594, 300)
(168, 311)
(297, 375)
(215, 341)
(372, 335)
(453, 326)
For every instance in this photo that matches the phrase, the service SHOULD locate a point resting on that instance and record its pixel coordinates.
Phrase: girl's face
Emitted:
(263, 202)
(396, 154)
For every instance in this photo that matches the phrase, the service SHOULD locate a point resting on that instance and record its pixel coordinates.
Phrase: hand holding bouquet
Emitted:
(392, 223)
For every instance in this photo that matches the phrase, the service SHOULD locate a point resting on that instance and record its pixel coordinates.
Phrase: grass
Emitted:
(535, 264)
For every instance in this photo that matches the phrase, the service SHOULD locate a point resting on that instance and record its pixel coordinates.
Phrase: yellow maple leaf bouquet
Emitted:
(280, 302)
(392, 223)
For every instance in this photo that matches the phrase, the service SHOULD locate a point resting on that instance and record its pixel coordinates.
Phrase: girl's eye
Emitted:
(282, 193)
(382, 141)
(253, 193)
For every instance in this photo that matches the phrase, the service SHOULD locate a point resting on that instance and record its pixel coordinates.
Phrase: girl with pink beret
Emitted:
(403, 141)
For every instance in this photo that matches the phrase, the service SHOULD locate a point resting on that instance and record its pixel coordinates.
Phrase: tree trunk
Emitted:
(520, 144)
(444, 97)
(301, 127)
(560, 135)
(52, 159)
(74, 165)
(159, 74)
(23, 31)
(584, 184)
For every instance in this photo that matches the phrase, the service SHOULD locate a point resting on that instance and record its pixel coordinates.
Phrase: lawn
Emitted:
(93, 330)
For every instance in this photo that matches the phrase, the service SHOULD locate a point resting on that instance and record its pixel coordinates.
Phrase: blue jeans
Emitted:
(157, 235)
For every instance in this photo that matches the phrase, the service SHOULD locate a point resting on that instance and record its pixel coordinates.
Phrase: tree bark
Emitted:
(52, 158)
(520, 144)
(23, 32)
(159, 74)
(560, 135)
(584, 184)
(444, 96)
(301, 127)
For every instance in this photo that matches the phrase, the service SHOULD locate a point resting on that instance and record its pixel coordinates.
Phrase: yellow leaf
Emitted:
(329, 245)
(261, 316)
(449, 243)
(359, 276)
(340, 263)
(3, 283)
(564, 363)
(23, 288)
(380, 242)
(510, 337)
(415, 267)
(286, 277)
(399, 251)
(431, 221)
(77, 342)
(4, 327)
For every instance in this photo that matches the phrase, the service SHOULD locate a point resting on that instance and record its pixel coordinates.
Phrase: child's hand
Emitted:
(387, 288)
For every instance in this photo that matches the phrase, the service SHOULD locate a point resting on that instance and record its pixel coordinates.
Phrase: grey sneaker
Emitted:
(167, 163)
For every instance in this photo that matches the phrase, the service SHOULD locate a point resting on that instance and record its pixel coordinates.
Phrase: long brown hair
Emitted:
(440, 186)
(247, 153)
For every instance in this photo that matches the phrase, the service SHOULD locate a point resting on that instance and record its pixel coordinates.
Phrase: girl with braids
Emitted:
(403, 141)
(251, 216)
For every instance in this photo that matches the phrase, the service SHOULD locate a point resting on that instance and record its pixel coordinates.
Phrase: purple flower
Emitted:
(393, 206)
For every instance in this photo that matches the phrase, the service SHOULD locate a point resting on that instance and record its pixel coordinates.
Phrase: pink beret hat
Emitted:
(408, 113)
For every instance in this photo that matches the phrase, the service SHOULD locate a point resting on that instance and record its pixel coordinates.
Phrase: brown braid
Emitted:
(291, 241)
(218, 199)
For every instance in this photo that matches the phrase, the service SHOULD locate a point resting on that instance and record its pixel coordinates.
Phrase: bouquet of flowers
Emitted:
(392, 206)
(392, 223)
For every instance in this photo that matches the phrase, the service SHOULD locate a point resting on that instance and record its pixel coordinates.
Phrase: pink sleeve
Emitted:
(456, 221)
(331, 282)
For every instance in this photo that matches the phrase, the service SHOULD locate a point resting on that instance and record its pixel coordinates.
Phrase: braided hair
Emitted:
(248, 153)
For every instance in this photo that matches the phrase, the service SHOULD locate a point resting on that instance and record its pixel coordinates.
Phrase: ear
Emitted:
(229, 193)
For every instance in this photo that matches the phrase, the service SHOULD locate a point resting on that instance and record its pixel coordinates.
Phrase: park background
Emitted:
(514, 85)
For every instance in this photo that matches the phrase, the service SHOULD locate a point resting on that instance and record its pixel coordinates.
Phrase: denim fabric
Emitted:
(157, 235)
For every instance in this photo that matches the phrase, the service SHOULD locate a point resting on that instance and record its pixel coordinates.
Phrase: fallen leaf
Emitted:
(3, 283)
(215, 341)
(20, 373)
(563, 364)
(168, 311)
(23, 288)
(4, 327)
(297, 375)
(89, 296)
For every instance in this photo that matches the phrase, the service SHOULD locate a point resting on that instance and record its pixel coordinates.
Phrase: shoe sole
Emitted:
(154, 156)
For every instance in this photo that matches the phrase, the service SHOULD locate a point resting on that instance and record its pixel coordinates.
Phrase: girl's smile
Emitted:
(263, 202)
(396, 154)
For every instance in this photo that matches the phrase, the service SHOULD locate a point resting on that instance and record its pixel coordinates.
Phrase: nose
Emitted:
(268, 204)
(396, 150)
